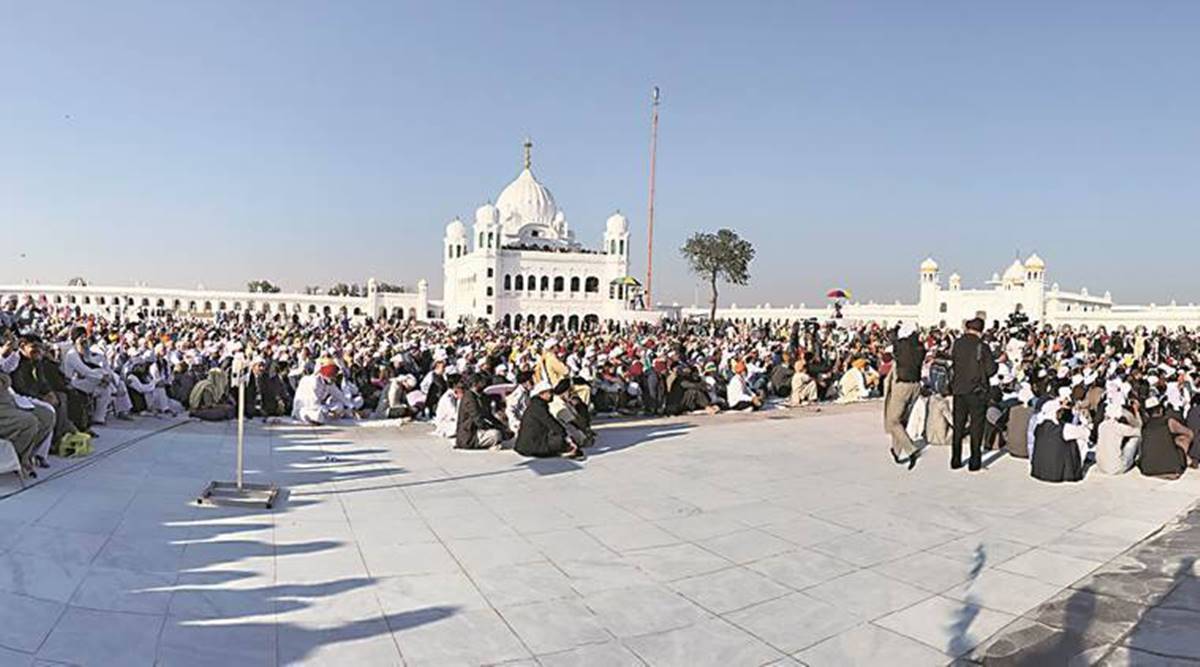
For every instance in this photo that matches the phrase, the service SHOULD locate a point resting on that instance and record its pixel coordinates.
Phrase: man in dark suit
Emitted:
(477, 427)
(973, 366)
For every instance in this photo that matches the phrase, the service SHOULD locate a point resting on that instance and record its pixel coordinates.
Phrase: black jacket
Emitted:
(973, 365)
(909, 357)
(28, 379)
(540, 433)
(473, 416)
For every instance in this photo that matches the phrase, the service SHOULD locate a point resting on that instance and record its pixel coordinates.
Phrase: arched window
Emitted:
(559, 283)
(531, 283)
(221, 306)
(622, 246)
(575, 284)
(481, 239)
(507, 282)
(942, 308)
(592, 284)
(545, 285)
(520, 283)
(491, 239)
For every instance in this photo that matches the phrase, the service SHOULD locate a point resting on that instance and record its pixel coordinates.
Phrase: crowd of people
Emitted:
(1063, 398)
(1058, 396)
(475, 384)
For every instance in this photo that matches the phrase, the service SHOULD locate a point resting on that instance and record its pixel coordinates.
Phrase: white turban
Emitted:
(1049, 411)
(1113, 411)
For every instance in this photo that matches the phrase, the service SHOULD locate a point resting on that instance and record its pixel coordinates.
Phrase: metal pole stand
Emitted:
(239, 492)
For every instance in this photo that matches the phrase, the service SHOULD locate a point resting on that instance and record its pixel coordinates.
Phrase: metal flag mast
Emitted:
(650, 217)
(239, 491)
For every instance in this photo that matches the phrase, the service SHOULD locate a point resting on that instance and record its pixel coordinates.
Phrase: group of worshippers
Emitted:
(52, 394)
(1065, 399)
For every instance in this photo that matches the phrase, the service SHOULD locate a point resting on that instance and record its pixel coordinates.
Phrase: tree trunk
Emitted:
(712, 313)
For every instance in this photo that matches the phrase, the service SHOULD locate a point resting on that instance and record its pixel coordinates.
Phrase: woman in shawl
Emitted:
(209, 399)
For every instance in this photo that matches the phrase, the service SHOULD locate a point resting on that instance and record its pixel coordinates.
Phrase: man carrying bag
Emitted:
(973, 366)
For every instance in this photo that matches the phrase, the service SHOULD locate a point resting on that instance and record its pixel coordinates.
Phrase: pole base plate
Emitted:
(228, 493)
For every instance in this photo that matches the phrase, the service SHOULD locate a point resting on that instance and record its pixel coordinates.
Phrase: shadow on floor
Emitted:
(1142, 610)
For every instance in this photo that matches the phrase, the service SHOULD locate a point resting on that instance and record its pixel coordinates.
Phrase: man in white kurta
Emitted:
(314, 402)
(94, 382)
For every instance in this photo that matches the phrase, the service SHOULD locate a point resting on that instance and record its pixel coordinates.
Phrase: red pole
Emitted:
(650, 217)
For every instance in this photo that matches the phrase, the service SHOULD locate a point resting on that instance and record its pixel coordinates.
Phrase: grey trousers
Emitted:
(900, 398)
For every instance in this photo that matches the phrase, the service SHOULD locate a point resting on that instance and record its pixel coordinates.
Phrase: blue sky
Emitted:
(218, 142)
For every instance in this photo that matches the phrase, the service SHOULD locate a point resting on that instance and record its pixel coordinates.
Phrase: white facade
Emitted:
(110, 300)
(1020, 287)
(520, 262)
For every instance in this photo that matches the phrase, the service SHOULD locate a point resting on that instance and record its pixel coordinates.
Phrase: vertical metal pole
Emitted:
(650, 217)
(241, 431)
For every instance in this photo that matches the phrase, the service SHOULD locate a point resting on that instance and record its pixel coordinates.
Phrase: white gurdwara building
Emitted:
(1021, 288)
(520, 264)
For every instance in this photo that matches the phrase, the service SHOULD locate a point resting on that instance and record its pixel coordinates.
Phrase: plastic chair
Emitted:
(9, 462)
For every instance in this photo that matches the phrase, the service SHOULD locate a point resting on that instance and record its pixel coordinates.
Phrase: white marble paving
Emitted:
(735, 540)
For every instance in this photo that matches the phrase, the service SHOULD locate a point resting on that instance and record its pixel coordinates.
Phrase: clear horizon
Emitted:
(306, 143)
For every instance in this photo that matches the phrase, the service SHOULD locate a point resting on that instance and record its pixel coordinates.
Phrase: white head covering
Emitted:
(541, 387)
(1113, 411)
(906, 329)
(1049, 411)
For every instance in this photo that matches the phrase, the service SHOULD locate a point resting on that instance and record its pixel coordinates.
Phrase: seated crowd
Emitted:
(1059, 396)
(1067, 398)
(71, 371)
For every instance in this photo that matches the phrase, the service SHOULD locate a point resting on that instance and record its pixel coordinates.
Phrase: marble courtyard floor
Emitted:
(778, 538)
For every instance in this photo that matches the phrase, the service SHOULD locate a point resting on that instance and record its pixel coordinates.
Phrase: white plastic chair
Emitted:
(9, 461)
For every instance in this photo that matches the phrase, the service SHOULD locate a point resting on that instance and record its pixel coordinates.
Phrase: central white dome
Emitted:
(526, 201)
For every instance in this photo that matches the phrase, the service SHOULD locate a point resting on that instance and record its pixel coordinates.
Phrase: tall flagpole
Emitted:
(650, 217)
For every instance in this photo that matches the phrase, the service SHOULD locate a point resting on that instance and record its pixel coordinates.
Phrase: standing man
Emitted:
(972, 367)
(901, 390)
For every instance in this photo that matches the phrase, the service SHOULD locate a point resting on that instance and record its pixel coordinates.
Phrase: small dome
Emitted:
(929, 265)
(1015, 272)
(1034, 262)
(955, 278)
(486, 214)
(456, 230)
(617, 224)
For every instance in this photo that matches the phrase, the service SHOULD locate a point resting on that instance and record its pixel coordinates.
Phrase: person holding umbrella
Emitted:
(839, 296)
